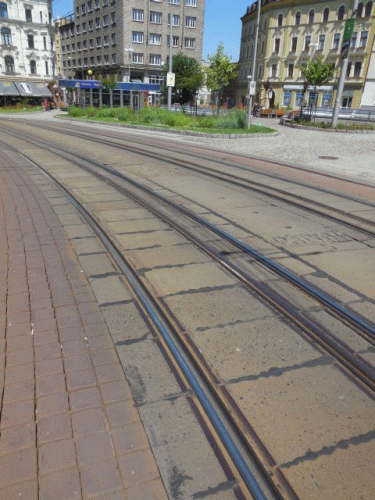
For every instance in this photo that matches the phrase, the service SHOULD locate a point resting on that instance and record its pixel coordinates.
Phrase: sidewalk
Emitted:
(69, 428)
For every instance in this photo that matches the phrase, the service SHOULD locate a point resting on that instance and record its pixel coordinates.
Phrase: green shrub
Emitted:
(178, 120)
(204, 122)
(125, 114)
(91, 112)
(75, 112)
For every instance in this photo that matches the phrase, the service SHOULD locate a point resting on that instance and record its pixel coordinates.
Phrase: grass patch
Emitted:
(19, 108)
(234, 122)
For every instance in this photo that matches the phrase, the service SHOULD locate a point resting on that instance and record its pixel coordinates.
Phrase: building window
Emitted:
(277, 46)
(84, 44)
(190, 22)
(113, 18)
(155, 17)
(348, 69)
(28, 16)
(326, 100)
(274, 70)
(91, 25)
(353, 41)
(99, 60)
(294, 44)
(368, 9)
(336, 41)
(9, 64)
(175, 41)
(280, 20)
(41, 17)
(137, 58)
(174, 2)
(325, 14)
(105, 20)
(89, 5)
(33, 67)
(137, 37)
(78, 28)
(78, 46)
(106, 40)
(138, 15)
(299, 98)
(98, 41)
(175, 18)
(155, 39)
(83, 9)
(189, 43)
(290, 70)
(360, 10)
(30, 41)
(46, 67)
(113, 39)
(156, 79)
(155, 59)
(84, 27)
(363, 39)
(357, 69)
(322, 39)
(106, 59)
(307, 42)
(298, 18)
(91, 43)
(311, 16)
(114, 59)
(97, 22)
(287, 99)
(191, 3)
(3, 10)
(92, 61)
(6, 36)
(97, 4)
(341, 13)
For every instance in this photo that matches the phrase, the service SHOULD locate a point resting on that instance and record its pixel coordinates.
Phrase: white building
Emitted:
(26, 50)
(368, 96)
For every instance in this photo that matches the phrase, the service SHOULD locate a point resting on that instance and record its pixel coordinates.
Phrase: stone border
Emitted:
(319, 129)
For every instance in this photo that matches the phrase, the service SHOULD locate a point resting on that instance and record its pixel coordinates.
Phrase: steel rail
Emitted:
(161, 323)
(272, 192)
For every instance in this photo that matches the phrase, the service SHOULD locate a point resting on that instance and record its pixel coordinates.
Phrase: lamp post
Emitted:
(129, 51)
(254, 65)
(170, 61)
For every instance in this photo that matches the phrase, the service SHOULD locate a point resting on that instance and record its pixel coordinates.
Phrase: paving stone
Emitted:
(54, 428)
(18, 465)
(89, 422)
(27, 490)
(65, 482)
(94, 448)
(57, 456)
(17, 438)
(100, 478)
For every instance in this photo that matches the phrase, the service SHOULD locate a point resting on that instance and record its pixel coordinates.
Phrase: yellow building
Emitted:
(291, 33)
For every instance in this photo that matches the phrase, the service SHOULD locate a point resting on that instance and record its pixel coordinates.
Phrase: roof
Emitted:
(33, 89)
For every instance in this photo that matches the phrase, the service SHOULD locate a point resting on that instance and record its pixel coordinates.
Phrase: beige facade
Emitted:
(129, 38)
(291, 33)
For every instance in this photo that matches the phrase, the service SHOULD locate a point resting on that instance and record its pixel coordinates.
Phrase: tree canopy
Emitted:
(220, 70)
(188, 78)
(316, 72)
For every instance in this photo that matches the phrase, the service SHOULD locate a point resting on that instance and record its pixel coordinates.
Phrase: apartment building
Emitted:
(291, 33)
(26, 51)
(129, 39)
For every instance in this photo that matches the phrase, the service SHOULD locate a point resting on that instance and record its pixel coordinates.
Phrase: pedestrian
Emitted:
(45, 104)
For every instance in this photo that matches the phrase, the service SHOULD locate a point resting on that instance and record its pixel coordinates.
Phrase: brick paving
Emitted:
(69, 427)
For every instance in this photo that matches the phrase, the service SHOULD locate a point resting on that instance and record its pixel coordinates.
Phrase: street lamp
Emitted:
(253, 88)
(129, 51)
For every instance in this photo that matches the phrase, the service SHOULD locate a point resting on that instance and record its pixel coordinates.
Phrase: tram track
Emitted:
(349, 361)
(350, 220)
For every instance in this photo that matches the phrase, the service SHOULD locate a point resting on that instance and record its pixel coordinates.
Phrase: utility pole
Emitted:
(349, 26)
(170, 61)
(253, 84)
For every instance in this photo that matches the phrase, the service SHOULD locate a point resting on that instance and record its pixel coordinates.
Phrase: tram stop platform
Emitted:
(69, 426)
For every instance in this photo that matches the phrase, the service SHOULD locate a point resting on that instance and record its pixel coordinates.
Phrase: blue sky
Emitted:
(222, 23)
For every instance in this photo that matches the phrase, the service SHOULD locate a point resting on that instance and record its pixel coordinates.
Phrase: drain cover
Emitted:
(328, 157)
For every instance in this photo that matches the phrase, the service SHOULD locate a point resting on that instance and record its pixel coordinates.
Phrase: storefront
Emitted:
(321, 96)
(12, 92)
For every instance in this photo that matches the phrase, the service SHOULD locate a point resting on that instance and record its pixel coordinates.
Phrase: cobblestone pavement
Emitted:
(69, 428)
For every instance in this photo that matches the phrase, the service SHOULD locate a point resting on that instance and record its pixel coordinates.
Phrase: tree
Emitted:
(109, 83)
(188, 78)
(220, 71)
(317, 73)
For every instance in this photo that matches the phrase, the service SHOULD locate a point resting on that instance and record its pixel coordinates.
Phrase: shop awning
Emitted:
(33, 89)
(8, 88)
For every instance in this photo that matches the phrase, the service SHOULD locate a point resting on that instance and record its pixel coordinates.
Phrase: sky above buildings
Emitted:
(222, 23)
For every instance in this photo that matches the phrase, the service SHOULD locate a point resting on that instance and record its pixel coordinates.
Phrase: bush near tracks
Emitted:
(234, 121)
(20, 108)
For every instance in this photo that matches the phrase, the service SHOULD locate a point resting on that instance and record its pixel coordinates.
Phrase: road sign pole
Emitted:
(170, 60)
(349, 26)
